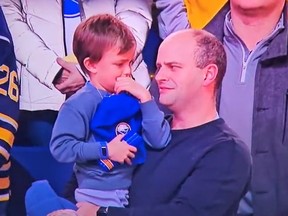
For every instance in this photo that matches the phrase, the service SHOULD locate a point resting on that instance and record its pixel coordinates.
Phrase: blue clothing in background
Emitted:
(9, 109)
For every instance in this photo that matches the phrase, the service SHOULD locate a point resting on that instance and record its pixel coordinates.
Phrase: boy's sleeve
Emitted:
(156, 129)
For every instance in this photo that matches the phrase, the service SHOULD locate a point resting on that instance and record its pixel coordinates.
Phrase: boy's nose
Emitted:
(127, 71)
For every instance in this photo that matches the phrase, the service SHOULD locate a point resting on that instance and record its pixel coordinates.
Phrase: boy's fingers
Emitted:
(132, 149)
(128, 161)
(131, 155)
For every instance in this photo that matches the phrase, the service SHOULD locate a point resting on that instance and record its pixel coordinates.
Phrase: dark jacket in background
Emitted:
(270, 124)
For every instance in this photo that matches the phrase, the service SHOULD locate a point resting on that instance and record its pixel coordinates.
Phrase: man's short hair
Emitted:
(209, 50)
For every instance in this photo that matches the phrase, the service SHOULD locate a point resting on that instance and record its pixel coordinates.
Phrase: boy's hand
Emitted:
(121, 151)
(134, 88)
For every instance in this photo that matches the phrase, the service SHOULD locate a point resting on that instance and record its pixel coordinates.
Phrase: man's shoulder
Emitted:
(228, 138)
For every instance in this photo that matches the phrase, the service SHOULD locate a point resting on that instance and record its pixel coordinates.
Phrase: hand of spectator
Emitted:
(63, 212)
(71, 79)
(87, 209)
(120, 151)
(134, 88)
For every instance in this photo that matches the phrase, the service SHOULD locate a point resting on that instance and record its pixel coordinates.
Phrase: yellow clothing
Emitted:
(200, 12)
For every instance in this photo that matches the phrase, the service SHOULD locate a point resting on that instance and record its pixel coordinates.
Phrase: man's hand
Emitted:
(86, 209)
(120, 151)
(70, 80)
(134, 88)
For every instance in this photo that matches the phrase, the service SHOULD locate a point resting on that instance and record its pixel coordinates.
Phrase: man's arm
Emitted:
(212, 188)
(30, 49)
(172, 16)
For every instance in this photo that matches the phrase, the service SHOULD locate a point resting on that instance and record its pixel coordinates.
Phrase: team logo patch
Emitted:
(71, 9)
(122, 128)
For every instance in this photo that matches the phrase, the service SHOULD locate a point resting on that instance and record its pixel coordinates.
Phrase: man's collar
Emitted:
(279, 45)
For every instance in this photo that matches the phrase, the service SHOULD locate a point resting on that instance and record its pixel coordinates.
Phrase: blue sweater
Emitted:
(9, 104)
(203, 171)
(73, 141)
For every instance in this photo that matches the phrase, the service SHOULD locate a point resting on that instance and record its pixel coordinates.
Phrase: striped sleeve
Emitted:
(9, 105)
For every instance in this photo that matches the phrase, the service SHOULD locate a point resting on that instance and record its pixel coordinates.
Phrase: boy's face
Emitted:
(111, 66)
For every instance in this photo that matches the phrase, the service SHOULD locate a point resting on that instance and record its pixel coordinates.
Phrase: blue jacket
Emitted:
(9, 108)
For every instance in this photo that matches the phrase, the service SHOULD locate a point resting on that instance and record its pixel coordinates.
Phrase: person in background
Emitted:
(9, 109)
(84, 133)
(42, 32)
(205, 168)
(253, 96)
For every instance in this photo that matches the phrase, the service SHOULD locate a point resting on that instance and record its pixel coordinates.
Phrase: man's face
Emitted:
(178, 79)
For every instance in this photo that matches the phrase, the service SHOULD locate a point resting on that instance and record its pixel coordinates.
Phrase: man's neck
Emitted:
(194, 117)
(254, 26)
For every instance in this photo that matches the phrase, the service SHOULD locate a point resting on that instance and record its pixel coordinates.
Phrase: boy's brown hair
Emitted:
(98, 34)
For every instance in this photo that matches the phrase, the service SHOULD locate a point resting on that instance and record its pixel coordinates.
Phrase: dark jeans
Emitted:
(35, 128)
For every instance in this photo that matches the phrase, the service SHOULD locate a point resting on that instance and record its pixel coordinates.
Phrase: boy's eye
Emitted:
(119, 64)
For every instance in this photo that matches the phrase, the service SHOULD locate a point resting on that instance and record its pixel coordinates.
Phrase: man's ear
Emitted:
(90, 65)
(210, 74)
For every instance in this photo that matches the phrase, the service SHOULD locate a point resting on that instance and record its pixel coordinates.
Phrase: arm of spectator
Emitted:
(9, 112)
(30, 49)
(172, 16)
(9, 98)
(137, 15)
(70, 79)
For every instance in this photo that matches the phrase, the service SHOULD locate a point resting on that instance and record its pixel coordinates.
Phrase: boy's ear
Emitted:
(90, 65)
(210, 74)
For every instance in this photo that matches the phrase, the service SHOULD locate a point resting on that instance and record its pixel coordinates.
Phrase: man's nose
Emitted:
(160, 75)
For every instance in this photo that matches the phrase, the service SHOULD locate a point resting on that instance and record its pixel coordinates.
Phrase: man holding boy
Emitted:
(205, 169)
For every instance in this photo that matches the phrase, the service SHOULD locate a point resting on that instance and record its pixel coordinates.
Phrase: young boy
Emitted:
(105, 49)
